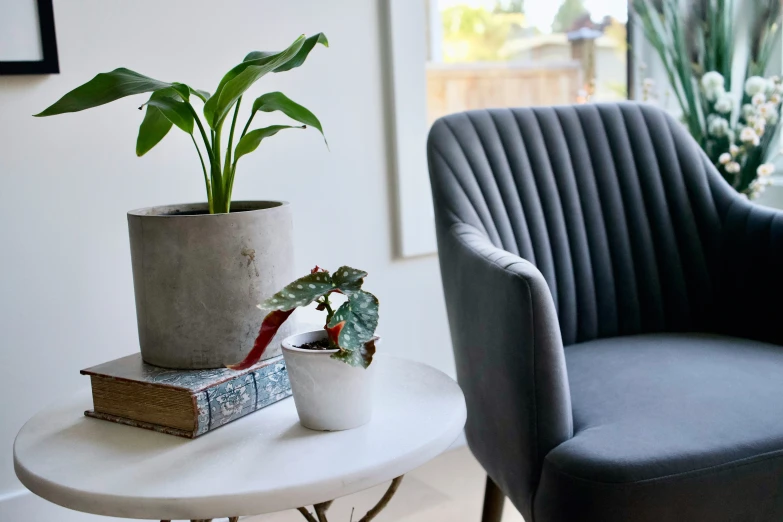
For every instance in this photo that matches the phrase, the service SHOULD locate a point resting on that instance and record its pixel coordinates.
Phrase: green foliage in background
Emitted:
(570, 11)
(734, 117)
(170, 105)
(510, 6)
(475, 34)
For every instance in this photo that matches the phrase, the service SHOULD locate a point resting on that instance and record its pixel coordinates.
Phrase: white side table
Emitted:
(262, 463)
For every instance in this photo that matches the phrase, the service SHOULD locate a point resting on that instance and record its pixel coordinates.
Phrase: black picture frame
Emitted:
(50, 63)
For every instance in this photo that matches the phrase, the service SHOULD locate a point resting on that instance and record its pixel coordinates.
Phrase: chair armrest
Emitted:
(509, 355)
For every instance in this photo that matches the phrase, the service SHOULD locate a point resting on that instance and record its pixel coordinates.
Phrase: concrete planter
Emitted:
(198, 278)
(329, 395)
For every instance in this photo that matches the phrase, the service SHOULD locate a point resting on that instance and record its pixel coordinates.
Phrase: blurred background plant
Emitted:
(718, 79)
(477, 34)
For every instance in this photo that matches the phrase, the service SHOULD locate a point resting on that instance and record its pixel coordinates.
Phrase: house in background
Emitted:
(482, 59)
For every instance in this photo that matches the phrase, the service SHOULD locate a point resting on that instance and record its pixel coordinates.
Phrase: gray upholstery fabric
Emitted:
(670, 414)
(561, 226)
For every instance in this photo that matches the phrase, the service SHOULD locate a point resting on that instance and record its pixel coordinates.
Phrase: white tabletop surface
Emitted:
(261, 463)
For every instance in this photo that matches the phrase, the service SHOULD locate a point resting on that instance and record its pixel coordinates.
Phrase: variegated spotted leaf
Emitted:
(348, 279)
(361, 357)
(301, 292)
(360, 316)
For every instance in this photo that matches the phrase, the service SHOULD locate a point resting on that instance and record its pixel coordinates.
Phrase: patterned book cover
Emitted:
(219, 395)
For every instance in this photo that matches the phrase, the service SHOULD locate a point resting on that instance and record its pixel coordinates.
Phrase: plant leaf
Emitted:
(240, 78)
(348, 279)
(277, 101)
(173, 108)
(257, 55)
(360, 313)
(186, 90)
(154, 128)
(252, 139)
(333, 332)
(301, 292)
(301, 56)
(258, 60)
(181, 89)
(103, 89)
(204, 95)
(269, 327)
(359, 358)
(235, 87)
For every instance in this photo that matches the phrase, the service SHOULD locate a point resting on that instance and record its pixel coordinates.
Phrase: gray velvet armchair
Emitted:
(615, 315)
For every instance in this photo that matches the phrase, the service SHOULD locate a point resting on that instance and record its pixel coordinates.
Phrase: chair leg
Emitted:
(493, 502)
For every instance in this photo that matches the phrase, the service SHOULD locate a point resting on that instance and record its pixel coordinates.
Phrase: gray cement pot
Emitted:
(198, 278)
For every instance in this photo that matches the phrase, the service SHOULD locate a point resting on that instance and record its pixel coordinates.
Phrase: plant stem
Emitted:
(213, 194)
(231, 178)
(230, 182)
(228, 170)
(201, 129)
(247, 125)
(206, 176)
(216, 144)
(218, 188)
(217, 194)
(328, 306)
(231, 137)
(231, 172)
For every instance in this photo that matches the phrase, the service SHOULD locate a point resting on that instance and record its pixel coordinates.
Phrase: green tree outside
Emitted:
(510, 6)
(570, 11)
(475, 34)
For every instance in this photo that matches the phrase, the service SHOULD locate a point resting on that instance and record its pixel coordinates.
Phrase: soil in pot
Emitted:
(201, 212)
(320, 344)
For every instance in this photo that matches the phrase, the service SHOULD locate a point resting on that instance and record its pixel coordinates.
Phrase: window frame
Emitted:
(407, 30)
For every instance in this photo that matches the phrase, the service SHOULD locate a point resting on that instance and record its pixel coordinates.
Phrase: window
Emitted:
(453, 55)
(511, 53)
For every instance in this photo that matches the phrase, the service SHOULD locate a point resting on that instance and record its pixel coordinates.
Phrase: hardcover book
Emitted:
(186, 403)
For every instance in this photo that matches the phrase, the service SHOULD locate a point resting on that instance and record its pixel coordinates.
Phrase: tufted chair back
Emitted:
(611, 202)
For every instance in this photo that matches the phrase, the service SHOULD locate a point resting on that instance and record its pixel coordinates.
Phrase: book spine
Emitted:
(235, 398)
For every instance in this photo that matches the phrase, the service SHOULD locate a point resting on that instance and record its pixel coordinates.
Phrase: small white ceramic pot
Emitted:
(330, 395)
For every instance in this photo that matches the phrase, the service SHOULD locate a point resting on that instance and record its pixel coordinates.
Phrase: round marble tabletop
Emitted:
(261, 463)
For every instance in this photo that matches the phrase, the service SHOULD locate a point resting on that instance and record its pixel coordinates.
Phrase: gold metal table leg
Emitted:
(320, 509)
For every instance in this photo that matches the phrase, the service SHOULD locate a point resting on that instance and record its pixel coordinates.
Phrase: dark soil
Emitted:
(321, 344)
(203, 212)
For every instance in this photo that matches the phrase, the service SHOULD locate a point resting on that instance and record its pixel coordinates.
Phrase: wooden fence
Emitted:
(458, 87)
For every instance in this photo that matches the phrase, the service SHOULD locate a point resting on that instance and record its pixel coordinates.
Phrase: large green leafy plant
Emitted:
(170, 105)
(350, 328)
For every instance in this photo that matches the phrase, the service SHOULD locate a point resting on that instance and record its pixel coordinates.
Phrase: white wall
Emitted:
(66, 298)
